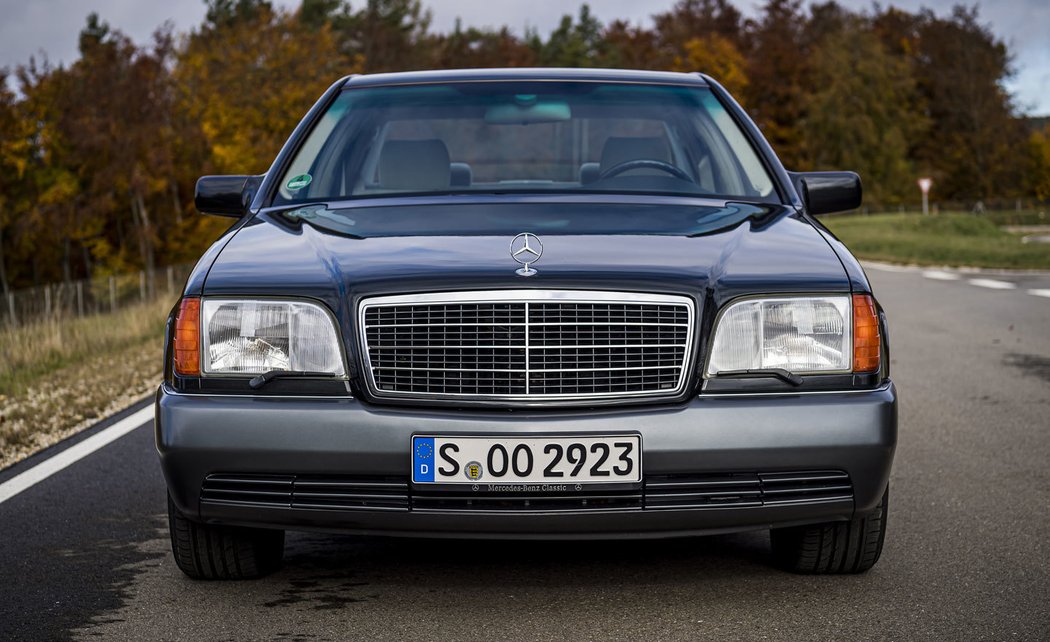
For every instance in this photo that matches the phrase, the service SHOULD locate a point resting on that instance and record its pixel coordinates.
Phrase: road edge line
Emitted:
(38, 473)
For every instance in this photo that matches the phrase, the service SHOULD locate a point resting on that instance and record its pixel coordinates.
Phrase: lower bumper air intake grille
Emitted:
(608, 500)
(339, 492)
(677, 491)
(746, 489)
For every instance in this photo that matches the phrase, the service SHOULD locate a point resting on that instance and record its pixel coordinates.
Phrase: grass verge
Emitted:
(938, 239)
(57, 377)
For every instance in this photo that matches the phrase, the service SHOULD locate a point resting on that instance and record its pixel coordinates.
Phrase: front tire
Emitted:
(833, 547)
(210, 552)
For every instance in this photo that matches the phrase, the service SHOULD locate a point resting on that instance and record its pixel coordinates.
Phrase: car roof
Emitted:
(526, 73)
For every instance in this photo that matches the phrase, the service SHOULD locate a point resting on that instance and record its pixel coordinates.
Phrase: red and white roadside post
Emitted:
(924, 184)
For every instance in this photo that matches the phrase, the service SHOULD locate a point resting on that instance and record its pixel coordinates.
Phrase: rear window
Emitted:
(511, 137)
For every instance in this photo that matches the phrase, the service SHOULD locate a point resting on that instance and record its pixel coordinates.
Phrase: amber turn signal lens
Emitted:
(867, 345)
(187, 344)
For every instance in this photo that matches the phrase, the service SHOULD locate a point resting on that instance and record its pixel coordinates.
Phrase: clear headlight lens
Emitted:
(800, 335)
(253, 337)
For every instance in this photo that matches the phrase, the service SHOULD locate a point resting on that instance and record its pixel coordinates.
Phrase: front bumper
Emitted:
(854, 432)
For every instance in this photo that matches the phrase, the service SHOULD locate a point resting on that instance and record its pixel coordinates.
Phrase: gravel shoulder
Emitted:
(68, 400)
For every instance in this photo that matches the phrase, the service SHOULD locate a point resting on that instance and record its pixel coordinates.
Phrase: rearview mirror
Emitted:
(225, 195)
(827, 192)
(528, 113)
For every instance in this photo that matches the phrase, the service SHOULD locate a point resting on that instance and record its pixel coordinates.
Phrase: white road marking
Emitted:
(993, 284)
(888, 267)
(940, 275)
(71, 455)
(1045, 293)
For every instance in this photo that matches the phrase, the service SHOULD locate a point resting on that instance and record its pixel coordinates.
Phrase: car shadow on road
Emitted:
(329, 571)
(525, 562)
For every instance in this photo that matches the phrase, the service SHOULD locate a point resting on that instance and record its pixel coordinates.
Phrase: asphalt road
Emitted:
(84, 554)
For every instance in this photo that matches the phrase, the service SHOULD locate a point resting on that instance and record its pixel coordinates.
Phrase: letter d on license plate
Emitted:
(470, 460)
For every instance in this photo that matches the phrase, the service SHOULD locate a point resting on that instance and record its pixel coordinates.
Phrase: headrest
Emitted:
(619, 149)
(462, 175)
(414, 164)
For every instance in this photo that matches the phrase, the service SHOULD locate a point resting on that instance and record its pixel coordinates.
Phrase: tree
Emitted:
(1038, 171)
(473, 48)
(631, 47)
(973, 137)
(575, 44)
(98, 158)
(862, 112)
(13, 161)
(390, 35)
(689, 20)
(718, 56)
(248, 82)
(778, 76)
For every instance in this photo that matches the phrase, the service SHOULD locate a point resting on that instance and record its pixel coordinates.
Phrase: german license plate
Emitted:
(579, 460)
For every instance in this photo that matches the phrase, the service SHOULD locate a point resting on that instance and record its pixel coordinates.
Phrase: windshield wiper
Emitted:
(714, 219)
(779, 373)
(261, 380)
(319, 215)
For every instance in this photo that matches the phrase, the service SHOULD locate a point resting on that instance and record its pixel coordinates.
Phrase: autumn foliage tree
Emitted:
(862, 113)
(98, 158)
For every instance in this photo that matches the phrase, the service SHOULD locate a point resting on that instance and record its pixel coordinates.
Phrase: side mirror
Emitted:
(225, 195)
(827, 192)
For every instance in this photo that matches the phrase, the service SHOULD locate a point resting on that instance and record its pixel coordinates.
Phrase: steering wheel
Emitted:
(645, 163)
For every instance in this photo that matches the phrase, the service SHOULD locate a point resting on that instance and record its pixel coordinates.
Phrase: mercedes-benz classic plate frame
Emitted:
(528, 296)
(529, 461)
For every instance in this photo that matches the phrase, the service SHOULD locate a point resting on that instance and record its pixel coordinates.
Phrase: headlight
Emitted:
(800, 335)
(253, 337)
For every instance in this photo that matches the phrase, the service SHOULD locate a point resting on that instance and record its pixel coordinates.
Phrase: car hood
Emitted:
(746, 250)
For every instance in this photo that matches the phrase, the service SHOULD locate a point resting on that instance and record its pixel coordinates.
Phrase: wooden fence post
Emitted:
(142, 285)
(112, 294)
(171, 280)
(47, 301)
(11, 308)
(80, 298)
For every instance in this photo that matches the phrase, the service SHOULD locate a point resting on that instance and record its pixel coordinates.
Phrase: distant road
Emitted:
(84, 553)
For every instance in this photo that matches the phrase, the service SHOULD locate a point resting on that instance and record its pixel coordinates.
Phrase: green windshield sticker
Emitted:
(299, 182)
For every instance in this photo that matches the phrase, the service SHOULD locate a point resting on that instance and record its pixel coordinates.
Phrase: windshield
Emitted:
(525, 137)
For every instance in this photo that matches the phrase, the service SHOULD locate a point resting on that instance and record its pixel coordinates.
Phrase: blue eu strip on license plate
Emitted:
(423, 457)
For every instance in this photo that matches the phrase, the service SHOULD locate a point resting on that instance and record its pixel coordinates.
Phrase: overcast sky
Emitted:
(30, 27)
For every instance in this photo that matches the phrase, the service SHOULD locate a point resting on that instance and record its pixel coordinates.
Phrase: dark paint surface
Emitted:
(783, 250)
(779, 254)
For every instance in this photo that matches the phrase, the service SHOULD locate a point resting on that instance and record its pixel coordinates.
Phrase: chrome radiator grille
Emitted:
(527, 344)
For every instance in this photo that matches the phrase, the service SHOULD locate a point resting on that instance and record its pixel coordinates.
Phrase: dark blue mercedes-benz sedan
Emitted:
(531, 303)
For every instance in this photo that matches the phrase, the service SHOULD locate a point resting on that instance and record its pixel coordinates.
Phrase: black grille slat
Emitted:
(529, 348)
(248, 489)
(519, 502)
(307, 491)
(746, 489)
(783, 488)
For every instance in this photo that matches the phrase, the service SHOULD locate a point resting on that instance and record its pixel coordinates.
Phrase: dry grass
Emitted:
(57, 377)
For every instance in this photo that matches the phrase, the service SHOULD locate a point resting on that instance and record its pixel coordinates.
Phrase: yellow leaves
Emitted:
(62, 190)
(1039, 170)
(249, 82)
(718, 57)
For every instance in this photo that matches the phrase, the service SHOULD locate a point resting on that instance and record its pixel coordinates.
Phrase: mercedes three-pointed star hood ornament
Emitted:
(526, 249)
